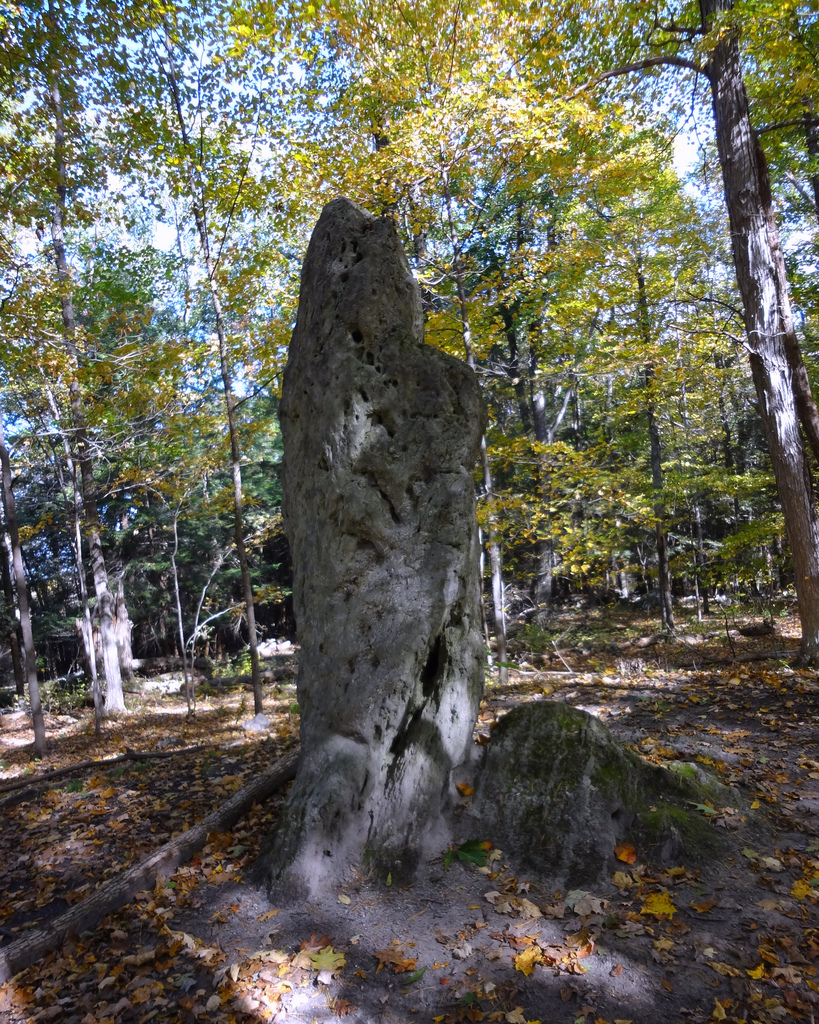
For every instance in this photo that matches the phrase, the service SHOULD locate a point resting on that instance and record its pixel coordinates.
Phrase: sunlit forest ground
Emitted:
(734, 938)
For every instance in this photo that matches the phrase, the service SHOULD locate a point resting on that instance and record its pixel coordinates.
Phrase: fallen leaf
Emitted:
(659, 905)
(756, 972)
(705, 906)
(344, 898)
(622, 880)
(626, 853)
(801, 889)
(529, 910)
(718, 1013)
(666, 985)
(525, 961)
(616, 971)
(725, 969)
(464, 789)
(396, 957)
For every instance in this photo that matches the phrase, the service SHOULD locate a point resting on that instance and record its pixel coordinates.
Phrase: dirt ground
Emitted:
(734, 939)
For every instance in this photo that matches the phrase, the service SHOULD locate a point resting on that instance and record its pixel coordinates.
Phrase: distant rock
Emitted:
(259, 723)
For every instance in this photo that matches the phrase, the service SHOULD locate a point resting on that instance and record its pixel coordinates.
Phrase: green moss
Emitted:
(698, 836)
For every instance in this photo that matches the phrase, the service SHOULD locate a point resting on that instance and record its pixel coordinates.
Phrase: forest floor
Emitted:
(736, 939)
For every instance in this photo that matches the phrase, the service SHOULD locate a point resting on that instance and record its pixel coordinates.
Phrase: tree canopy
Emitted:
(553, 172)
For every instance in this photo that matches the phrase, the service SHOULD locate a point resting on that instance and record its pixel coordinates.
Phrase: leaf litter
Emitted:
(736, 940)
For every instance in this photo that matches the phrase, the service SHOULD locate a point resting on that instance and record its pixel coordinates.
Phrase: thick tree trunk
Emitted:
(22, 598)
(768, 322)
(114, 701)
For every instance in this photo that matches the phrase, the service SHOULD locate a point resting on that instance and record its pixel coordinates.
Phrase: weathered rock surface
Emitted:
(381, 433)
(556, 788)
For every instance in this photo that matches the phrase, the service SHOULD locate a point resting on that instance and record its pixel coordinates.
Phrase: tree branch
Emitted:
(642, 65)
(797, 122)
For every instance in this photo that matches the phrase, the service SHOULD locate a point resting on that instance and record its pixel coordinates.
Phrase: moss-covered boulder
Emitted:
(558, 789)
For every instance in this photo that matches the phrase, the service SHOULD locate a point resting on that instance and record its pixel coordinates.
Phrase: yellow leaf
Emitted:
(464, 789)
(718, 1013)
(525, 961)
(756, 972)
(622, 880)
(755, 805)
(725, 969)
(659, 905)
(344, 898)
(801, 889)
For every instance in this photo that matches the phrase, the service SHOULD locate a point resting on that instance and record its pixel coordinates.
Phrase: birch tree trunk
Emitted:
(22, 598)
(780, 383)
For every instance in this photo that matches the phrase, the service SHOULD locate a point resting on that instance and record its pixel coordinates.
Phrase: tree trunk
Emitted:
(85, 627)
(8, 595)
(114, 701)
(663, 568)
(123, 629)
(768, 322)
(493, 540)
(189, 691)
(22, 598)
(230, 401)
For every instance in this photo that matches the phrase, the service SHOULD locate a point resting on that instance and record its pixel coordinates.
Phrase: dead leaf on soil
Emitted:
(659, 905)
(525, 961)
(626, 853)
(725, 969)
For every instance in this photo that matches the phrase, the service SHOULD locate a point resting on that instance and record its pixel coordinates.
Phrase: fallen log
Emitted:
(57, 773)
(114, 894)
(779, 655)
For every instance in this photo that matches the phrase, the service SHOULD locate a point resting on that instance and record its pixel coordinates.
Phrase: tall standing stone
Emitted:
(381, 433)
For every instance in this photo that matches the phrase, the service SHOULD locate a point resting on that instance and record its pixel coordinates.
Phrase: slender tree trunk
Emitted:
(8, 595)
(22, 598)
(812, 144)
(114, 701)
(768, 323)
(124, 627)
(85, 625)
(189, 693)
(493, 535)
(663, 567)
(514, 371)
(230, 401)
